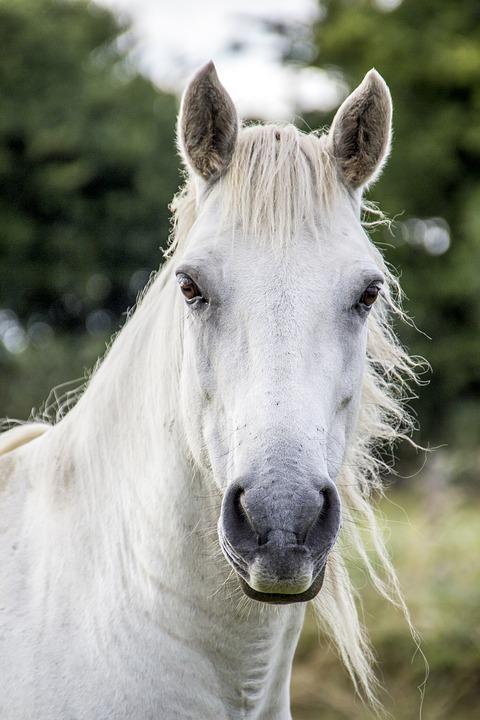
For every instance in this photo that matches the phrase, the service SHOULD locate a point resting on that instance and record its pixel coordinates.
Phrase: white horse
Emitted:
(159, 543)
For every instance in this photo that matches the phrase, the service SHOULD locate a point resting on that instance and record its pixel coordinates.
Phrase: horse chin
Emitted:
(284, 598)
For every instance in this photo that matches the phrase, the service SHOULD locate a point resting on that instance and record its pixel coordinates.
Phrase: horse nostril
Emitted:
(236, 519)
(320, 512)
(262, 539)
(324, 530)
(240, 499)
(324, 504)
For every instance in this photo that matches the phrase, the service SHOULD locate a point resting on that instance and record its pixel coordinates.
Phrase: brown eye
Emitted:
(190, 290)
(370, 295)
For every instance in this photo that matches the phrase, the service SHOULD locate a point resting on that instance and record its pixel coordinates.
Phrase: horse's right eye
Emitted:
(189, 288)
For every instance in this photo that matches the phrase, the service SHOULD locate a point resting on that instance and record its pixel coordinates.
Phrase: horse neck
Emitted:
(149, 508)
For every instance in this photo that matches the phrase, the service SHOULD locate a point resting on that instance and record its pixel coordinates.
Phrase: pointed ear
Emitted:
(207, 125)
(361, 131)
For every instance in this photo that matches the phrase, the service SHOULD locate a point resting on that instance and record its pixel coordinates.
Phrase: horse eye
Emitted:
(370, 295)
(190, 290)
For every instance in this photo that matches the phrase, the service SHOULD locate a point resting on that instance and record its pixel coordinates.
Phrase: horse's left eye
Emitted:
(189, 288)
(369, 296)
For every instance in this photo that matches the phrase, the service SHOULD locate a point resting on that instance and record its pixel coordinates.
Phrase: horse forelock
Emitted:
(279, 181)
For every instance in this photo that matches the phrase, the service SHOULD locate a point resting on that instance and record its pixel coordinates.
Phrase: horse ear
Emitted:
(361, 131)
(207, 124)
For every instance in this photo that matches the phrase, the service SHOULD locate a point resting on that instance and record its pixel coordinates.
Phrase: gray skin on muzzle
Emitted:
(277, 535)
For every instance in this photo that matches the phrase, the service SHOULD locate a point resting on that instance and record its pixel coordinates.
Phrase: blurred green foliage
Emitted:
(87, 164)
(429, 54)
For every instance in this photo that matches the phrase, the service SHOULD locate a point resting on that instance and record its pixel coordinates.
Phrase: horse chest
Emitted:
(142, 672)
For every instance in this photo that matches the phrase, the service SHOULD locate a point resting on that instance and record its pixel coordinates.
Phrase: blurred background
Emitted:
(89, 95)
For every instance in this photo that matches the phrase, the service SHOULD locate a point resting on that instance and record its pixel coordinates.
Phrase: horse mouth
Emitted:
(284, 598)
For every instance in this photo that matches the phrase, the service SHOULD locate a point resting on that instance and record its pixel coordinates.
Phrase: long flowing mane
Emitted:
(278, 179)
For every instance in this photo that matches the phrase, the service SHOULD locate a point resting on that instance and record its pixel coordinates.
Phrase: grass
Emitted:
(435, 543)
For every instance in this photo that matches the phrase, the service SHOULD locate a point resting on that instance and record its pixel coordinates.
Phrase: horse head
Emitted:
(278, 281)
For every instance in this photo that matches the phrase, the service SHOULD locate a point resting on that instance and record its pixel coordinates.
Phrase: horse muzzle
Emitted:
(277, 536)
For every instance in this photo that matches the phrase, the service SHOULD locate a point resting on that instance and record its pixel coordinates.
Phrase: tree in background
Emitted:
(87, 169)
(429, 53)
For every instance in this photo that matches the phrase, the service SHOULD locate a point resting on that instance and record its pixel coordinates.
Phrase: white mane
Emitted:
(269, 185)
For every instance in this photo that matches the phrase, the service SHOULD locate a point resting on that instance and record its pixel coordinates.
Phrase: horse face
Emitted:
(274, 350)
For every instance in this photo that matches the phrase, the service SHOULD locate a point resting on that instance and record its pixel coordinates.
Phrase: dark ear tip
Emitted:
(206, 71)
